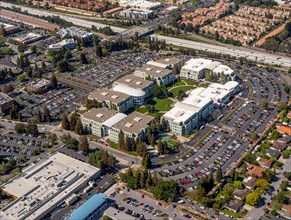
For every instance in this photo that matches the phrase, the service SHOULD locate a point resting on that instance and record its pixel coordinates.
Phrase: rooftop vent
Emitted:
(114, 96)
(128, 80)
(128, 125)
(137, 119)
(104, 93)
(99, 115)
(138, 83)
(148, 69)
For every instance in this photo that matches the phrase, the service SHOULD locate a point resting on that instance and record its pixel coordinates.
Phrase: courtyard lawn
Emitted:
(185, 88)
(161, 104)
(191, 82)
(141, 109)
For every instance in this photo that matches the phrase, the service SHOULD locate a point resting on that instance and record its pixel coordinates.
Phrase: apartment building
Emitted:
(139, 89)
(134, 125)
(98, 121)
(158, 74)
(118, 101)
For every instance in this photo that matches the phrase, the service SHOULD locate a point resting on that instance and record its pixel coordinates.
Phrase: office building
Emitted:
(68, 44)
(139, 89)
(90, 209)
(115, 100)
(194, 109)
(167, 63)
(27, 38)
(196, 69)
(6, 102)
(134, 125)
(139, 4)
(98, 121)
(136, 14)
(158, 74)
(40, 84)
(76, 32)
(43, 186)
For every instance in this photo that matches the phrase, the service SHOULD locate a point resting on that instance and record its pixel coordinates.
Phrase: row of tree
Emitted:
(73, 123)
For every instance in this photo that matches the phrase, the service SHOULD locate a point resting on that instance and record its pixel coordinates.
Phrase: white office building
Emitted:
(76, 32)
(196, 69)
(190, 113)
(67, 44)
(136, 14)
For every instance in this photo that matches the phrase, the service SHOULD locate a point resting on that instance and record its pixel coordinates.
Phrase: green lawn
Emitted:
(191, 82)
(234, 214)
(184, 88)
(162, 104)
(141, 109)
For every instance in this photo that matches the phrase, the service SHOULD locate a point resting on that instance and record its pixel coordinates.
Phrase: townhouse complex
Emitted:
(194, 109)
(201, 15)
(247, 24)
(89, 5)
(196, 69)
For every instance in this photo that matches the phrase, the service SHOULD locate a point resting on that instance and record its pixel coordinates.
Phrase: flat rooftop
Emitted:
(154, 71)
(45, 185)
(99, 115)
(108, 95)
(134, 123)
(134, 82)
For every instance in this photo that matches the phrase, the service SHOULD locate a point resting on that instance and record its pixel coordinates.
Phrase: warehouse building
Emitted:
(158, 74)
(115, 100)
(45, 185)
(134, 125)
(139, 89)
(98, 121)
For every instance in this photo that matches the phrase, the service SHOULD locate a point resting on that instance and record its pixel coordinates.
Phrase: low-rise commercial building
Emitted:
(6, 102)
(136, 14)
(196, 69)
(158, 74)
(67, 44)
(27, 38)
(140, 4)
(9, 28)
(194, 109)
(139, 89)
(76, 32)
(90, 209)
(40, 84)
(115, 100)
(134, 125)
(115, 214)
(98, 121)
(43, 186)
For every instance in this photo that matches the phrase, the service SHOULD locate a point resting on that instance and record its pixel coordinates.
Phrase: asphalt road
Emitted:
(250, 54)
(253, 55)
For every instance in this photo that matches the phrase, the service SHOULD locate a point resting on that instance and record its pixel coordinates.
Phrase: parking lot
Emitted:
(106, 70)
(62, 99)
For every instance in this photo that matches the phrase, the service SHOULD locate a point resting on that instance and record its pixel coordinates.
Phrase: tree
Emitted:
(46, 114)
(219, 175)
(253, 198)
(265, 104)
(263, 185)
(166, 190)
(146, 161)
(121, 142)
(99, 51)
(282, 106)
(238, 185)
(83, 58)
(20, 128)
(79, 127)
(83, 145)
(65, 122)
(32, 128)
(254, 136)
(275, 134)
(21, 48)
(54, 81)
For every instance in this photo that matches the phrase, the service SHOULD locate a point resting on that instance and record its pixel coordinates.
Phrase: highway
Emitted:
(258, 56)
(250, 54)
(75, 21)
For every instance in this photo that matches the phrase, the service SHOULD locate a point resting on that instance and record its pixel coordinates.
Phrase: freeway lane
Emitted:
(76, 21)
(233, 51)
(250, 54)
